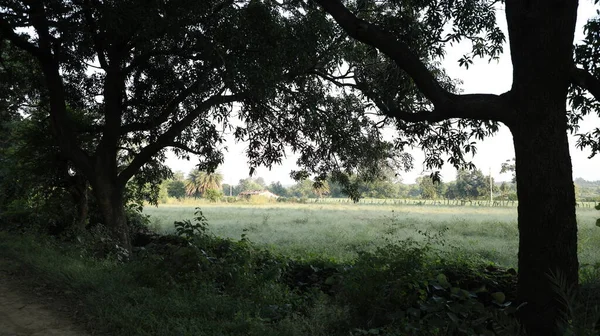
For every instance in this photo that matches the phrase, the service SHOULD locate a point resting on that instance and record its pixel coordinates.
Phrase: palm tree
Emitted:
(198, 182)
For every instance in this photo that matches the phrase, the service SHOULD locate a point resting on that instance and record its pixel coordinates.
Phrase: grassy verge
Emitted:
(198, 284)
(136, 299)
(211, 286)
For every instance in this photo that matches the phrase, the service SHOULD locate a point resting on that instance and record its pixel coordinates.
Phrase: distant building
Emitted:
(265, 193)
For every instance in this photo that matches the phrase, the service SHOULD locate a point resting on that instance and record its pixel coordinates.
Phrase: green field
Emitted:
(341, 230)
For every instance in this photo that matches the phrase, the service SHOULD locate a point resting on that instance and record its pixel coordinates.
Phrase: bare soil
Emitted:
(31, 308)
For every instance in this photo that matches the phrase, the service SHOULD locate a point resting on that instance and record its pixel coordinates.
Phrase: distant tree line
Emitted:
(467, 185)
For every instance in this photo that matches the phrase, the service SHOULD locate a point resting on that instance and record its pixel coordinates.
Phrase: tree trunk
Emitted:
(541, 40)
(79, 193)
(109, 196)
(547, 223)
(82, 211)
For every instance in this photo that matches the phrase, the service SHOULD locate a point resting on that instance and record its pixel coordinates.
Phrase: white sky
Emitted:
(481, 77)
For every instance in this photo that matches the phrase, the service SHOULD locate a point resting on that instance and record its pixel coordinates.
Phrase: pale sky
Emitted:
(481, 77)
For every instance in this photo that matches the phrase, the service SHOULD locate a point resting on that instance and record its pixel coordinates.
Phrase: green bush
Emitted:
(176, 188)
(53, 215)
(213, 195)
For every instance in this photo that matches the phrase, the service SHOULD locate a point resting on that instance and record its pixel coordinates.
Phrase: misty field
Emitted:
(341, 230)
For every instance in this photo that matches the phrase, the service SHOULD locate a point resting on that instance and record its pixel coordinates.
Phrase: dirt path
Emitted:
(32, 311)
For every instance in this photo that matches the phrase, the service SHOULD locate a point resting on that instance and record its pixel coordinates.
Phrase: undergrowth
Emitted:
(193, 283)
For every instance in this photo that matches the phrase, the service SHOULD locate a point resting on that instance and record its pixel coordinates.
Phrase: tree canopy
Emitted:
(119, 92)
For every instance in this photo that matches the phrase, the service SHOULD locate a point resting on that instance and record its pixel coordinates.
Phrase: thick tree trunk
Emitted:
(541, 40)
(547, 223)
(109, 196)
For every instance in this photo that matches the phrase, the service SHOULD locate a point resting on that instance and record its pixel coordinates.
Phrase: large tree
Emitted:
(545, 75)
(471, 184)
(125, 80)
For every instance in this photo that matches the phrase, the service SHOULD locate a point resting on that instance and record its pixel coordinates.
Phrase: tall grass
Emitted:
(341, 230)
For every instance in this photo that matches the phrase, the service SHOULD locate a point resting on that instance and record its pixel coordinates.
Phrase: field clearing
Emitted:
(341, 230)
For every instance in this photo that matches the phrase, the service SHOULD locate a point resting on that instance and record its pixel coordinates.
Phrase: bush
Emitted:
(176, 189)
(48, 215)
(213, 195)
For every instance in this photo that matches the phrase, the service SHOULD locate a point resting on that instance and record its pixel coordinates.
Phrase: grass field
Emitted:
(341, 230)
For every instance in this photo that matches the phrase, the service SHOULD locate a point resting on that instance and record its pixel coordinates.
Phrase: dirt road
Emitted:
(26, 311)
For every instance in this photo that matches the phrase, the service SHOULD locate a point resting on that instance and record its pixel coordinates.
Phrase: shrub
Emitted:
(53, 215)
(188, 229)
(213, 195)
(176, 189)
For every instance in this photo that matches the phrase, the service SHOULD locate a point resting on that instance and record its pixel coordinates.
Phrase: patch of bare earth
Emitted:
(31, 308)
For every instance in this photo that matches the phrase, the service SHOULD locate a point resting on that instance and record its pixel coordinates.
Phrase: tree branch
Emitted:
(7, 31)
(61, 123)
(166, 139)
(93, 30)
(586, 80)
(183, 147)
(470, 106)
(167, 111)
(335, 79)
(222, 6)
(447, 105)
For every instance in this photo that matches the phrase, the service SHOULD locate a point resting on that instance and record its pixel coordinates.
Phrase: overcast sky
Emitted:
(481, 77)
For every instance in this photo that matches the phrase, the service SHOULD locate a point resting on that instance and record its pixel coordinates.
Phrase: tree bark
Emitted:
(541, 39)
(79, 193)
(109, 196)
(547, 222)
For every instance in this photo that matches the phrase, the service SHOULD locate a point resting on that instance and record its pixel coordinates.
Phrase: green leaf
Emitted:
(481, 289)
(499, 297)
(443, 281)
(453, 317)
(598, 222)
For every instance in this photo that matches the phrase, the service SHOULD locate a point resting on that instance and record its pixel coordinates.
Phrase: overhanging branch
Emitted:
(447, 105)
(166, 139)
(586, 80)
(7, 32)
(183, 147)
(470, 106)
(166, 112)
(399, 51)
